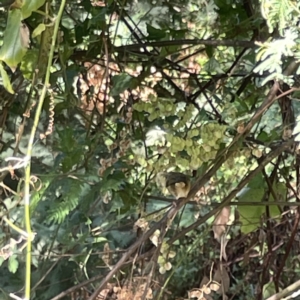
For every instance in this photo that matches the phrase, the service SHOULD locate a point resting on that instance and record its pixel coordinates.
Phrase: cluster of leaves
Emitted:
(203, 88)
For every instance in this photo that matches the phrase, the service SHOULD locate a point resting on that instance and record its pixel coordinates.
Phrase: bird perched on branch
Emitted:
(176, 183)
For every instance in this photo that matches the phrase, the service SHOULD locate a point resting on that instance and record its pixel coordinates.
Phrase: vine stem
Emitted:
(29, 152)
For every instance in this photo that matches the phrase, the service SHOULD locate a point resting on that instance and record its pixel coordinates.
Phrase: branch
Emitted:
(200, 182)
(286, 291)
(215, 43)
(237, 203)
(233, 193)
(126, 255)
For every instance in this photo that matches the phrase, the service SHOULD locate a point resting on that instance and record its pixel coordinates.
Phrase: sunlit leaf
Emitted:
(13, 264)
(30, 6)
(38, 30)
(15, 39)
(29, 62)
(251, 215)
(5, 79)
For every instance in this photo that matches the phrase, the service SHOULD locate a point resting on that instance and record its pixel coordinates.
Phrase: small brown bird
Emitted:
(176, 183)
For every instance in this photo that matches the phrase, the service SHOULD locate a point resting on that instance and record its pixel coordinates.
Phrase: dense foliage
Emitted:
(97, 97)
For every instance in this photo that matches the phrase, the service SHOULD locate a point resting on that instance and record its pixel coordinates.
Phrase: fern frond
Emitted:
(278, 13)
(70, 190)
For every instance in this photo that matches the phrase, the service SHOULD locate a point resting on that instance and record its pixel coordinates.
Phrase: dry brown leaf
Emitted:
(214, 287)
(25, 35)
(103, 294)
(106, 256)
(206, 287)
(262, 238)
(220, 222)
(116, 289)
(206, 290)
(125, 294)
(257, 153)
(195, 293)
(204, 281)
(140, 292)
(241, 128)
(223, 243)
(142, 224)
(222, 277)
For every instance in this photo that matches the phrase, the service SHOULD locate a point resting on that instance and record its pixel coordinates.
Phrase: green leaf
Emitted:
(263, 136)
(280, 191)
(5, 79)
(110, 184)
(213, 66)
(99, 19)
(250, 215)
(30, 6)
(13, 264)
(29, 62)
(178, 33)
(36, 195)
(269, 290)
(38, 30)
(122, 82)
(68, 192)
(15, 39)
(67, 140)
(1, 260)
(154, 33)
(209, 51)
